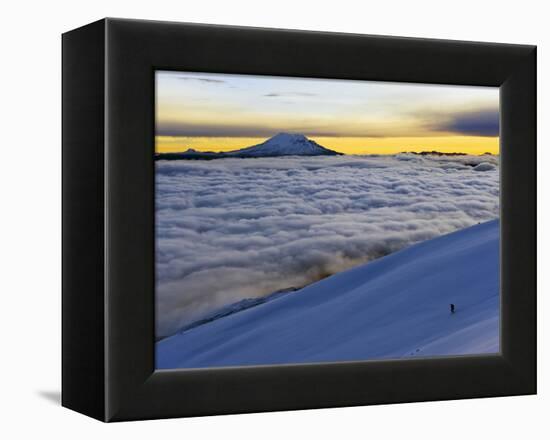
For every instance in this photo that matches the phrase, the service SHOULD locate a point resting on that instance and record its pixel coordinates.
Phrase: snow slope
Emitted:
(284, 144)
(394, 307)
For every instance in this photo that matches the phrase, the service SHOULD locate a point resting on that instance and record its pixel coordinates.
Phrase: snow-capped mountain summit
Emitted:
(284, 144)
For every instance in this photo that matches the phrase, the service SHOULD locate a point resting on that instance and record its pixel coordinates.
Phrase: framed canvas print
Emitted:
(262, 219)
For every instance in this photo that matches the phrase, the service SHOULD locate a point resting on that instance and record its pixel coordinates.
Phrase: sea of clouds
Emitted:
(231, 229)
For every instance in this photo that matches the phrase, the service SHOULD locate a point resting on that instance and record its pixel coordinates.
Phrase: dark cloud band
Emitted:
(214, 130)
(479, 123)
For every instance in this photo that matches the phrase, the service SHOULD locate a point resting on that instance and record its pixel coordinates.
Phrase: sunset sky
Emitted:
(222, 112)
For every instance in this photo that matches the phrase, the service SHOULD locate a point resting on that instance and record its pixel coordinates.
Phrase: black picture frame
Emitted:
(108, 219)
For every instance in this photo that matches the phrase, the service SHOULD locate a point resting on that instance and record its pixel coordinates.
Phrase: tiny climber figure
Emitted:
(452, 308)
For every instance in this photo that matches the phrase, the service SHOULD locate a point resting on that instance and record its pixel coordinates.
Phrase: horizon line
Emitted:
(469, 145)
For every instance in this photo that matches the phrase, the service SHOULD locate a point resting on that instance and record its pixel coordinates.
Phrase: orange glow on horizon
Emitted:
(347, 145)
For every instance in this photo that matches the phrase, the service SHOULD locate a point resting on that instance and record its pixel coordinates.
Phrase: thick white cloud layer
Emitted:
(230, 229)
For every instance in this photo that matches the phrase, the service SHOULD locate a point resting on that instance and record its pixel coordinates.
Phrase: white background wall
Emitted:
(30, 184)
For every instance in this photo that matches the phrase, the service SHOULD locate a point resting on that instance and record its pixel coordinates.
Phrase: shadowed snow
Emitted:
(394, 307)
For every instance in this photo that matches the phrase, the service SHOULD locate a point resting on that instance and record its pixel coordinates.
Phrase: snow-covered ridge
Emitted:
(394, 307)
(236, 307)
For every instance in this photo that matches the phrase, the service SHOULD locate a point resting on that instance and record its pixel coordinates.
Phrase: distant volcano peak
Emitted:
(285, 144)
(282, 144)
